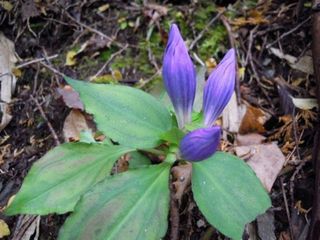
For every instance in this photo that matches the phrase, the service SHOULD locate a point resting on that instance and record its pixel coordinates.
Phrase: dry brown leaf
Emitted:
(303, 64)
(232, 115)
(29, 9)
(266, 160)
(249, 139)
(253, 121)
(70, 97)
(265, 225)
(255, 17)
(7, 79)
(181, 179)
(73, 125)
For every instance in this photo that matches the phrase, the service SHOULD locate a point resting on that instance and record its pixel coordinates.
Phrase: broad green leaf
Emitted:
(56, 181)
(228, 193)
(159, 92)
(86, 137)
(133, 205)
(173, 136)
(138, 160)
(127, 115)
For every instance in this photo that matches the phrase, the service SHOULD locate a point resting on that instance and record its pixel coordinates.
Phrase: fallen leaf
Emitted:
(7, 78)
(6, 115)
(211, 63)
(70, 97)
(233, 114)
(114, 77)
(249, 139)
(305, 103)
(103, 7)
(29, 9)
(70, 58)
(255, 17)
(266, 160)
(6, 5)
(253, 121)
(4, 229)
(73, 125)
(181, 179)
(303, 64)
(265, 225)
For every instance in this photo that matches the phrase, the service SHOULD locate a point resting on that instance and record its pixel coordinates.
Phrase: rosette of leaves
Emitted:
(75, 177)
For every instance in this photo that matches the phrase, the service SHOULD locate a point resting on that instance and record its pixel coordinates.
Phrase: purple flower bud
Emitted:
(179, 76)
(200, 144)
(219, 88)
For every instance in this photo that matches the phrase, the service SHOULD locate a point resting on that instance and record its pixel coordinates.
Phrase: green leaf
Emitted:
(56, 181)
(132, 205)
(159, 92)
(127, 115)
(197, 121)
(173, 136)
(138, 160)
(86, 137)
(228, 193)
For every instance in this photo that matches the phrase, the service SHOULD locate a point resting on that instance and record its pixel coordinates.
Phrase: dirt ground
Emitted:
(123, 42)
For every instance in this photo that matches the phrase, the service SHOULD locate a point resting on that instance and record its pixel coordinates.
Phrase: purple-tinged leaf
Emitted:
(200, 144)
(219, 88)
(179, 76)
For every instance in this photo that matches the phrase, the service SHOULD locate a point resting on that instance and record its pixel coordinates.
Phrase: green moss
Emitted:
(213, 42)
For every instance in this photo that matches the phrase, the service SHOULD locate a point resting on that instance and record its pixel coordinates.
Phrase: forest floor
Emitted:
(122, 42)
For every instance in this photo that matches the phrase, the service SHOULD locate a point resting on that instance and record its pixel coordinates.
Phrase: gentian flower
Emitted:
(180, 82)
(179, 76)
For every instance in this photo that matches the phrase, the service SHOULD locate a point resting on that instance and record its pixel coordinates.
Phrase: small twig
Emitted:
(204, 30)
(249, 55)
(289, 32)
(152, 59)
(22, 65)
(53, 69)
(36, 61)
(232, 44)
(198, 59)
(109, 60)
(144, 82)
(151, 56)
(256, 75)
(53, 133)
(30, 29)
(91, 29)
(295, 132)
(287, 208)
(229, 30)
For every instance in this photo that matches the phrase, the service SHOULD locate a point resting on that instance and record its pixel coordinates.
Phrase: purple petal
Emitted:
(219, 88)
(200, 143)
(179, 76)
